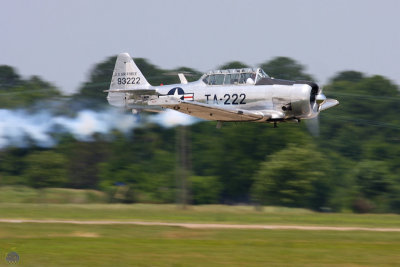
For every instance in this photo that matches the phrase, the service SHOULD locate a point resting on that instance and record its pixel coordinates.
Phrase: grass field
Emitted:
(24, 194)
(132, 245)
(76, 245)
(202, 214)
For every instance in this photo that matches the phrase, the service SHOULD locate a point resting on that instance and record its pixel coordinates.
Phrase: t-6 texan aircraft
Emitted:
(233, 95)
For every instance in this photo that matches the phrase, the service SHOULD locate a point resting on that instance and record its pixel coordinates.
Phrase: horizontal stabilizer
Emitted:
(138, 91)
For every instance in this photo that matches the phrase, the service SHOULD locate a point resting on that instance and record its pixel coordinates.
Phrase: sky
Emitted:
(62, 40)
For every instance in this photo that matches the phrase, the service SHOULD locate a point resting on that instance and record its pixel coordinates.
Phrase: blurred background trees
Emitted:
(352, 166)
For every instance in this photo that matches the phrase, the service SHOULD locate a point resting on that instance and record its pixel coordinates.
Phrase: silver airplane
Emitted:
(233, 95)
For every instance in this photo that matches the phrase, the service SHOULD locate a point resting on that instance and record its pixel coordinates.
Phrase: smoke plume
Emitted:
(20, 128)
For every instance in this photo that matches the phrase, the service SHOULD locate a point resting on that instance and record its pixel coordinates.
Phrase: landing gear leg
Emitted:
(275, 125)
(219, 124)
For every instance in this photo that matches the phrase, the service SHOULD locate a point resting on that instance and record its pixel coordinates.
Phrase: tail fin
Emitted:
(127, 75)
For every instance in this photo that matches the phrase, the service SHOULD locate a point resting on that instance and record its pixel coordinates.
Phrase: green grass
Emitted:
(133, 245)
(117, 245)
(23, 194)
(200, 214)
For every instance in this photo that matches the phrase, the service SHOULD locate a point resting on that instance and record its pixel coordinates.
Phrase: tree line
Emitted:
(353, 165)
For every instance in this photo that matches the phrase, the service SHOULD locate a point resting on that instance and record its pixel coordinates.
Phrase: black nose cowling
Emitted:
(314, 90)
(317, 98)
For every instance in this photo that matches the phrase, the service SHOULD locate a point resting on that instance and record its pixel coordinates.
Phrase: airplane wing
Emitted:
(211, 112)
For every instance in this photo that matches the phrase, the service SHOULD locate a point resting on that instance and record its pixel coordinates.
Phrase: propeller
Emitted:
(313, 124)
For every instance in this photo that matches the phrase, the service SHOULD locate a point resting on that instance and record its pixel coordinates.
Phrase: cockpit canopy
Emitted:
(234, 76)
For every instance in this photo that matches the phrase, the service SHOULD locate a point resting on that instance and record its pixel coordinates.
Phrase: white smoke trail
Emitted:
(171, 118)
(20, 128)
(89, 122)
(16, 126)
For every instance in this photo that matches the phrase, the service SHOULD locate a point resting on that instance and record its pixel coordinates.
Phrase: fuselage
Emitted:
(293, 99)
